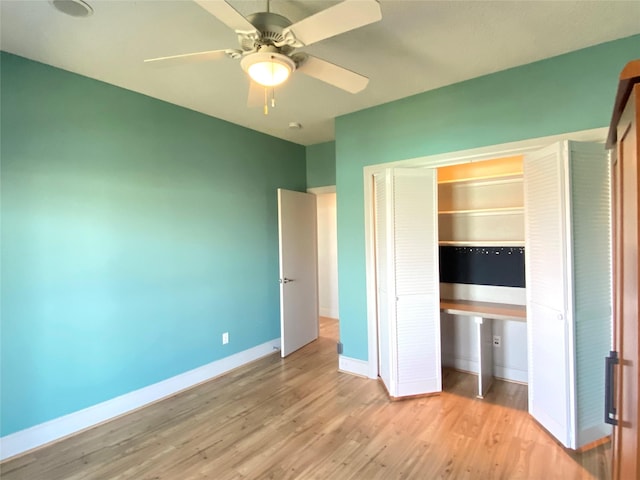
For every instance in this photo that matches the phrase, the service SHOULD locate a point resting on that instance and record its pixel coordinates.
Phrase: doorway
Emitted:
(435, 161)
(328, 307)
(327, 255)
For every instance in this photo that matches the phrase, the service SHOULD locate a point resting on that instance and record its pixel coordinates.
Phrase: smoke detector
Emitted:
(74, 8)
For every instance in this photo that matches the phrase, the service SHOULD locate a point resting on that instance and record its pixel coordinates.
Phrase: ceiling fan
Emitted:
(268, 42)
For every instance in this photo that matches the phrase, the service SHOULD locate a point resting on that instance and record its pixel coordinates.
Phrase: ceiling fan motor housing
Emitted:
(270, 25)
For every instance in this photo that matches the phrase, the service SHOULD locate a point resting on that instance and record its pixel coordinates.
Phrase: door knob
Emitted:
(286, 280)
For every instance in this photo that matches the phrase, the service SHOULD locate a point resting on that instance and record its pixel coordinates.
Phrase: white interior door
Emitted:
(548, 294)
(298, 270)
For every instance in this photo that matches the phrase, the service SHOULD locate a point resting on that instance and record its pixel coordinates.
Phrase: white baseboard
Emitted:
(459, 363)
(39, 435)
(328, 312)
(471, 366)
(511, 374)
(353, 366)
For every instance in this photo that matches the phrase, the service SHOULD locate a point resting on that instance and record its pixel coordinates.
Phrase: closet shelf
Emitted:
(481, 243)
(484, 211)
(507, 177)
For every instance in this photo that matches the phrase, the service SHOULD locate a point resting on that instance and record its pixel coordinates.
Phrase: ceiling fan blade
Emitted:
(186, 58)
(229, 16)
(333, 74)
(340, 18)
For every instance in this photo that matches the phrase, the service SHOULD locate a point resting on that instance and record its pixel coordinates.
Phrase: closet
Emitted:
(481, 240)
(461, 234)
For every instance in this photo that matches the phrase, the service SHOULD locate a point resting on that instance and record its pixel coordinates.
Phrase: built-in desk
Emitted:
(483, 313)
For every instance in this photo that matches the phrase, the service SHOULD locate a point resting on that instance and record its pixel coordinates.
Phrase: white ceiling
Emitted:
(418, 46)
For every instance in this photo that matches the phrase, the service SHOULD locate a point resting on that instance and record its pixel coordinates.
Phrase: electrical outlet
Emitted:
(497, 341)
(225, 338)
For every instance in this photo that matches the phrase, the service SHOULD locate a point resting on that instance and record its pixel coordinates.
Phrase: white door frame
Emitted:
(434, 161)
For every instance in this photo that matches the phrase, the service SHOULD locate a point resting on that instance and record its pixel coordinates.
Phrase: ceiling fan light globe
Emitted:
(269, 74)
(268, 68)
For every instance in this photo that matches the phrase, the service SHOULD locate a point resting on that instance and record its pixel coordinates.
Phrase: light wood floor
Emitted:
(301, 418)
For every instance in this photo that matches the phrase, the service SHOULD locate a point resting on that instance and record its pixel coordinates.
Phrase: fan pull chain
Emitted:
(266, 104)
(266, 99)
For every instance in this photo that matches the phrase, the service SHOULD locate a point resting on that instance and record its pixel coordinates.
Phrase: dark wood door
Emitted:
(626, 463)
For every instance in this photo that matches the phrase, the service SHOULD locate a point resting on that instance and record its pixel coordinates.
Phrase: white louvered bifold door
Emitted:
(547, 262)
(417, 283)
(383, 207)
(591, 227)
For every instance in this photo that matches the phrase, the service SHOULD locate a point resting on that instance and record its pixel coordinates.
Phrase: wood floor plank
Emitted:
(299, 418)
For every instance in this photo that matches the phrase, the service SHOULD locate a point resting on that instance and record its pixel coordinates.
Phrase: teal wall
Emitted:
(134, 233)
(567, 93)
(321, 164)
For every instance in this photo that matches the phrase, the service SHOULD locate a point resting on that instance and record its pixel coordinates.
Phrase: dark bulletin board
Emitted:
(500, 266)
